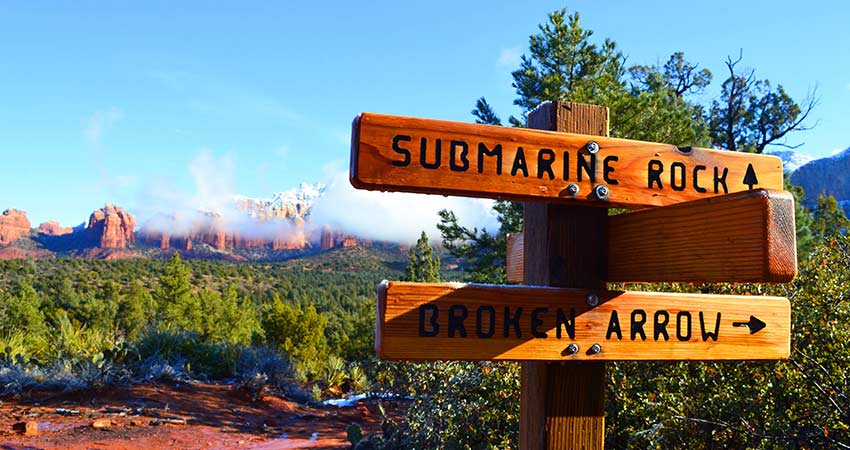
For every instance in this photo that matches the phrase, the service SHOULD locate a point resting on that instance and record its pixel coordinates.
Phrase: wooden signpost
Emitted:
(527, 323)
(720, 216)
(395, 153)
(747, 237)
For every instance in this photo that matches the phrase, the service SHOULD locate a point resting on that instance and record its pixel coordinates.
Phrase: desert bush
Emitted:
(297, 332)
(187, 353)
(455, 404)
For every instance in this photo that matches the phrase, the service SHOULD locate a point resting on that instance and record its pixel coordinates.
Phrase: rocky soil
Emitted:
(178, 415)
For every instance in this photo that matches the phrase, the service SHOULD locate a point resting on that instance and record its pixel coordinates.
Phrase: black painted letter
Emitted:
(401, 151)
(660, 328)
(512, 321)
(519, 163)
(569, 324)
(606, 169)
(707, 334)
(435, 326)
(484, 151)
(423, 150)
(457, 314)
(718, 180)
(545, 164)
(536, 321)
(614, 326)
(587, 167)
(697, 170)
(453, 165)
(680, 331)
(653, 172)
(638, 320)
(479, 326)
(682, 169)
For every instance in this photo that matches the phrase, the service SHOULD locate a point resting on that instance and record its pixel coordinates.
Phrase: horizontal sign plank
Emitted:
(744, 237)
(454, 321)
(393, 153)
(747, 237)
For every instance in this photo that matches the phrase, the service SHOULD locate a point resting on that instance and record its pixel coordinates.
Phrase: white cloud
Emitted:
(213, 176)
(99, 123)
(836, 151)
(397, 217)
(509, 57)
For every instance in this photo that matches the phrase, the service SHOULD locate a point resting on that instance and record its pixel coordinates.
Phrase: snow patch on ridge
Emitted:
(791, 160)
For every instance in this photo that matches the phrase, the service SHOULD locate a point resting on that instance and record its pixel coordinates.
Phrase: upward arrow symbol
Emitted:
(750, 178)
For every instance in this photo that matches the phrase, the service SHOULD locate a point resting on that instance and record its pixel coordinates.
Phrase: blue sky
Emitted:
(135, 102)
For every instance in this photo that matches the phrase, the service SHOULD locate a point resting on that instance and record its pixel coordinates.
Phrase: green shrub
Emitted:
(298, 332)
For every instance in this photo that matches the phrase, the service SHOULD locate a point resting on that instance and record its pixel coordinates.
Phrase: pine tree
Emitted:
(830, 219)
(134, 311)
(21, 311)
(178, 306)
(298, 332)
(422, 265)
(803, 219)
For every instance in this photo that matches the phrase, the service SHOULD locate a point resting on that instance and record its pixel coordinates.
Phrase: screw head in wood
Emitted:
(594, 349)
(602, 192)
(571, 349)
(572, 189)
(591, 147)
(592, 300)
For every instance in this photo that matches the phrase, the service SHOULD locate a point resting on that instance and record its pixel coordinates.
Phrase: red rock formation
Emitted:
(212, 230)
(108, 253)
(327, 240)
(291, 239)
(13, 226)
(111, 227)
(349, 241)
(19, 253)
(52, 228)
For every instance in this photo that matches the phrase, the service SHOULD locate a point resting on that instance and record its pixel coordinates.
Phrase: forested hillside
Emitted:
(89, 322)
(304, 327)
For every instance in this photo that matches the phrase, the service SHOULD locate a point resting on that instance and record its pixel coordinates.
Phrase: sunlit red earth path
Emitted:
(178, 416)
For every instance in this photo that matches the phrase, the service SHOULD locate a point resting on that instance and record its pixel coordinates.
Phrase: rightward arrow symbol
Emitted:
(750, 178)
(755, 325)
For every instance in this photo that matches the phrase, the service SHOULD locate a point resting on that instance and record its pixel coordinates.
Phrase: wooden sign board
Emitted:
(744, 237)
(392, 153)
(454, 321)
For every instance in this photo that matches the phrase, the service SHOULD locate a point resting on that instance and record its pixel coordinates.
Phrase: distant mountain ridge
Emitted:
(791, 160)
(829, 175)
(290, 204)
(249, 229)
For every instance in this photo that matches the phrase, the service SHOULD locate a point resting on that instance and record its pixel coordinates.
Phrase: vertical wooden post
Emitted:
(562, 405)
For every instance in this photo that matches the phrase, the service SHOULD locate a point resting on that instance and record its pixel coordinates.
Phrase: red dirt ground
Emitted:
(216, 417)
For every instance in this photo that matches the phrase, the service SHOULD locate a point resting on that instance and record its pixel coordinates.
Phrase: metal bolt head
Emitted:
(571, 349)
(594, 349)
(592, 147)
(572, 189)
(602, 192)
(592, 300)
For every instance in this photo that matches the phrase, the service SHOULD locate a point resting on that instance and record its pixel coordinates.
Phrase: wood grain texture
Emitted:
(387, 155)
(687, 328)
(747, 237)
(564, 406)
(513, 258)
